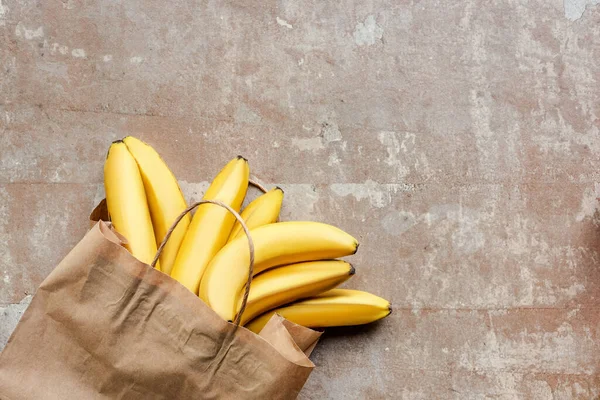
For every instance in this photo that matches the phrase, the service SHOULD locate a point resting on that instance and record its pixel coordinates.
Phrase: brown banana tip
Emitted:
(352, 269)
(356, 248)
(242, 158)
(109, 147)
(279, 188)
(390, 308)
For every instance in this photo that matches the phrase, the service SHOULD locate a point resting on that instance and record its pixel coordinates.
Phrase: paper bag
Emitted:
(104, 325)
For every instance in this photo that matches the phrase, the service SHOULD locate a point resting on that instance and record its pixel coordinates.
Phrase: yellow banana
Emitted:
(337, 307)
(211, 224)
(286, 284)
(261, 211)
(274, 244)
(126, 202)
(164, 196)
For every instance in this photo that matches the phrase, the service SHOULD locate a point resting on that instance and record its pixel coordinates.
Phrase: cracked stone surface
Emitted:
(460, 142)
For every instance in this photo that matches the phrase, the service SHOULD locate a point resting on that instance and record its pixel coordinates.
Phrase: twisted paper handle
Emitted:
(246, 231)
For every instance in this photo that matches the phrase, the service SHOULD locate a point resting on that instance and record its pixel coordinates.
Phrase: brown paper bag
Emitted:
(104, 325)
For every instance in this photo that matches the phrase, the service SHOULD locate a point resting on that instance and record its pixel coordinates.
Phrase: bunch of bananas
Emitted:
(295, 266)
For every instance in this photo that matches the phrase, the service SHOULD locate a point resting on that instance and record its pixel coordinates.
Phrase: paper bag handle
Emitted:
(246, 231)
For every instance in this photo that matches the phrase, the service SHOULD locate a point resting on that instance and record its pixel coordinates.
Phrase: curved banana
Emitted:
(126, 202)
(211, 224)
(274, 244)
(286, 284)
(261, 211)
(337, 307)
(164, 196)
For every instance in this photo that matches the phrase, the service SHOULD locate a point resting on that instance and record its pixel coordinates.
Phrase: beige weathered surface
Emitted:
(460, 142)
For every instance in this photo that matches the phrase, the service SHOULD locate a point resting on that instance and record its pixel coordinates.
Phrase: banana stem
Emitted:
(254, 182)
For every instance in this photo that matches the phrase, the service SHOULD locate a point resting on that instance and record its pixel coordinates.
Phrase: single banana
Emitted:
(289, 283)
(211, 225)
(261, 211)
(164, 196)
(126, 202)
(274, 244)
(337, 307)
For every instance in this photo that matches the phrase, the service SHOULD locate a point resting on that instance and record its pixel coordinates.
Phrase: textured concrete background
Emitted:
(459, 141)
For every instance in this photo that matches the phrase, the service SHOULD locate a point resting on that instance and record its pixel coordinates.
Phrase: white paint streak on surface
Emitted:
(379, 195)
(29, 34)
(59, 48)
(69, 4)
(136, 60)
(3, 13)
(314, 143)
(573, 290)
(368, 32)
(487, 146)
(107, 58)
(574, 9)
(9, 317)
(495, 152)
(590, 203)
(78, 53)
(330, 132)
(5, 254)
(283, 22)
(334, 159)
(395, 150)
(534, 350)
(460, 222)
